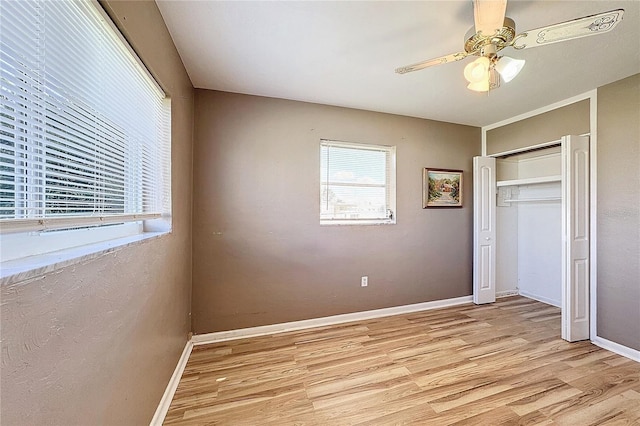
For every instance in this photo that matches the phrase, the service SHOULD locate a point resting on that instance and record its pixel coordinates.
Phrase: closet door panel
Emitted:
(484, 230)
(575, 304)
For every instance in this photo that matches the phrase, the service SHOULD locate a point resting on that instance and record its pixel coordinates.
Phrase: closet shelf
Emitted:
(529, 181)
(524, 200)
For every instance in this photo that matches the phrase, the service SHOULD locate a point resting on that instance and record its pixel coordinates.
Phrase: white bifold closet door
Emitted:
(484, 230)
(575, 231)
(575, 235)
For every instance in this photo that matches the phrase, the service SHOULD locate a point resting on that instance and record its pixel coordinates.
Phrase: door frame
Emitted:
(593, 143)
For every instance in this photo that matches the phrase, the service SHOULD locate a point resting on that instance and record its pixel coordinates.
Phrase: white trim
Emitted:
(169, 392)
(8, 226)
(356, 145)
(538, 111)
(506, 293)
(526, 149)
(540, 299)
(529, 114)
(203, 339)
(483, 142)
(357, 222)
(617, 348)
(593, 214)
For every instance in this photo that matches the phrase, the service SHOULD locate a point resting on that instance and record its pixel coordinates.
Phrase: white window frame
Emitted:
(31, 246)
(390, 184)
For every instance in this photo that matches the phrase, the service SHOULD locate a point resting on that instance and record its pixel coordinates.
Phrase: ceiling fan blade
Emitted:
(489, 15)
(431, 62)
(576, 28)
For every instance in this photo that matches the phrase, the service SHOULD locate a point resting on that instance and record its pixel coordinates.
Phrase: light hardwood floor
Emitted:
(502, 363)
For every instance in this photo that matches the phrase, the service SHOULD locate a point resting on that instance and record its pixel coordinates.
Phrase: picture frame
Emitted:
(441, 188)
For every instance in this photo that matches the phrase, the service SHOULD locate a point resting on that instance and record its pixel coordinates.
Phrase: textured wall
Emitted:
(96, 342)
(619, 212)
(260, 255)
(546, 127)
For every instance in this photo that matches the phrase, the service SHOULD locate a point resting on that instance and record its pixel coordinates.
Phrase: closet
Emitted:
(529, 224)
(531, 228)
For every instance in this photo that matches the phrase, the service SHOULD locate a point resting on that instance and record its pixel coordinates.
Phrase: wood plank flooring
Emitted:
(495, 364)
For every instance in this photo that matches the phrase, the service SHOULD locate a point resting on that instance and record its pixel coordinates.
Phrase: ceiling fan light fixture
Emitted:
(493, 31)
(477, 71)
(509, 68)
(479, 86)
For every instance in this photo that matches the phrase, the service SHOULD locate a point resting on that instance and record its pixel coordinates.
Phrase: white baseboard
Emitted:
(167, 397)
(506, 293)
(540, 299)
(203, 339)
(597, 340)
(616, 348)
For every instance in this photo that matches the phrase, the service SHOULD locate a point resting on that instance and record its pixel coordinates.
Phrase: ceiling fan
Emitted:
(493, 31)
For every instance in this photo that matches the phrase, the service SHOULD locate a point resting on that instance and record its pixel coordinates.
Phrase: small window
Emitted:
(84, 130)
(357, 183)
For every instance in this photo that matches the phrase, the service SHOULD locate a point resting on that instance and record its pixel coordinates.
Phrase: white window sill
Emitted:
(14, 271)
(357, 222)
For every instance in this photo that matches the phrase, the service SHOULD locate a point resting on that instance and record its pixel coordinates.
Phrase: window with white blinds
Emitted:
(357, 183)
(84, 128)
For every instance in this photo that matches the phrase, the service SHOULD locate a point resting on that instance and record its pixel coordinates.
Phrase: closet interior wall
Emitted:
(529, 225)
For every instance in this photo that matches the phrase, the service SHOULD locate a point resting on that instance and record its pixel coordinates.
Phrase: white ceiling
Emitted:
(344, 53)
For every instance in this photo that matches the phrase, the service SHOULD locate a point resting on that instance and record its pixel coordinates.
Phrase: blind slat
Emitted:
(355, 181)
(83, 127)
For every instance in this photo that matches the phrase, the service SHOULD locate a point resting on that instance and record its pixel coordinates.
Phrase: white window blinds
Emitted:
(357, 182)
(84, 129)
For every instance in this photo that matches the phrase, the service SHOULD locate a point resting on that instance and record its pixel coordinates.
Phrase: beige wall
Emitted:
(618, 202)
(95, 343)
(260, 255)
(572, 119)
(619, 212)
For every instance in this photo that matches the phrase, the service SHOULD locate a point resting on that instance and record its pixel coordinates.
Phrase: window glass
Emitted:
(357, 183)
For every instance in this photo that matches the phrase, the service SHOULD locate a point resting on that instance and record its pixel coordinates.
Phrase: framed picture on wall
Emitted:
(441, 188)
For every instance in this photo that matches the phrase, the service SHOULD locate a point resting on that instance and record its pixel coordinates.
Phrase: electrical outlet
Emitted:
(364, 281)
